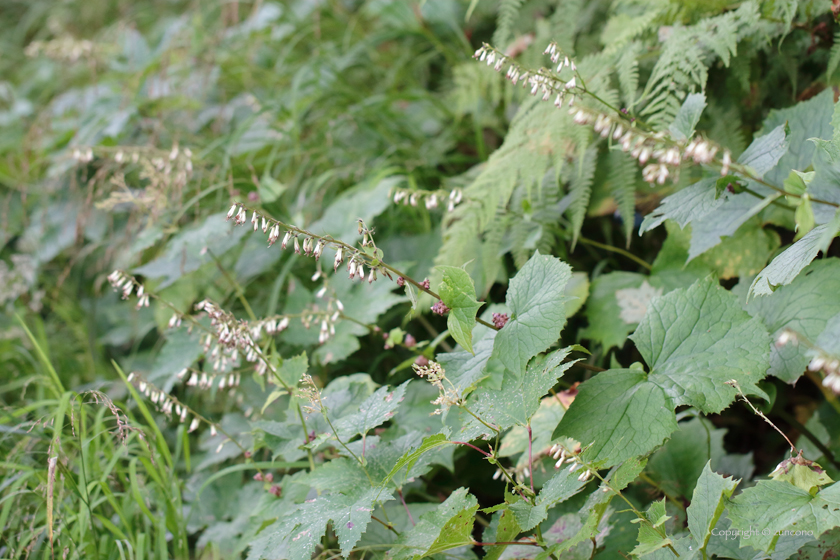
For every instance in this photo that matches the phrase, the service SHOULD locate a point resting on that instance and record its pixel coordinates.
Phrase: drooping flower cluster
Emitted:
(430, 199)
(646, 146)
(642, 145)
(310, 245)
(540, 81)
(127, 284)
(163, 174)
(563, 455)
(65, 49)
(203, 380)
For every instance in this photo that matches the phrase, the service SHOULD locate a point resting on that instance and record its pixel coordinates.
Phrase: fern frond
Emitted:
(580, 187)
(508, 10)
(834, 57)
(565, 23)
(622, 185)
(681, 68)
(627, 69)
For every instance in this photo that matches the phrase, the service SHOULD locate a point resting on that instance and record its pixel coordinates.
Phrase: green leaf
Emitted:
(802, 473)
(707, 503)
(775, 506)
(807, 119)
(292, 369)
(805, 305)
(503, 528)
(765, 151)
(603, 312)
(789, 263)
(270, 189)
(577, 290)
(463, 369)
(410, 458)
(677, 465)
(535, 297)
(650, 538)
(296, 533)
(562, 486)
(519, 398)
(638, 418)
(683, 126)
(377, 409)
(695, 340)
(448, 526)
(458, 293)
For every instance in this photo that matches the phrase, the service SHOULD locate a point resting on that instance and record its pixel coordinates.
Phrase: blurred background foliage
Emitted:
(126, 129)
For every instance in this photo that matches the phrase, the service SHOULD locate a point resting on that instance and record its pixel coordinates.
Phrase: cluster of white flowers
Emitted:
(430, 199)
(203, 380)
(231, 337)
(563, 455)
(830, 366)
(312, 245)
(64, 49)
(643, 146)
(169, 405)
(540, 81)
(162, 400)
(126, 283)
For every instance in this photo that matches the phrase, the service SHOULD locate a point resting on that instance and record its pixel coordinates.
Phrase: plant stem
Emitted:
(618, 250)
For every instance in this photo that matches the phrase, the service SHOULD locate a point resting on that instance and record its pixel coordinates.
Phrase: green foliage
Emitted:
(509, 371)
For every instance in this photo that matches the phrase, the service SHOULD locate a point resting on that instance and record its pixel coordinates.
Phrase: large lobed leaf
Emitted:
(694, 340)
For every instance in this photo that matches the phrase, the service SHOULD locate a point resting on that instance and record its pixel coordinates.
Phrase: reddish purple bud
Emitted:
(500, 320)
(247, 454)
(400, 281)
(440, 308)
(258, 477)
(422, 361)
(253, 196)
(269, 477)
(276, 490)
(409, 341)
(425, 283)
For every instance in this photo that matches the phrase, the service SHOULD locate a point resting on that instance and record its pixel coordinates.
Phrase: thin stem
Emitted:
(618, 250)
(357, 254)
(530, 457)
(656, 485)
(386, 525)
(473, 446)
(236, 287)
(744, 398)
(306, 435)
(524, 543)
(405, 505)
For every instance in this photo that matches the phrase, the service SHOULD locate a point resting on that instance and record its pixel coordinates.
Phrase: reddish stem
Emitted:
(473, 446)
(402, 499)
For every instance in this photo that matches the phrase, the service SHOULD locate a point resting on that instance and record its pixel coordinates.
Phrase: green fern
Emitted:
(834, 57)
(681, 68)
(580, 188)
(622, 184)
(508, 10)
(627, 70)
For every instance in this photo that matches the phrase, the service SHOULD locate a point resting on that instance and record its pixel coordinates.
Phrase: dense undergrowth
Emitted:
(593, 305)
